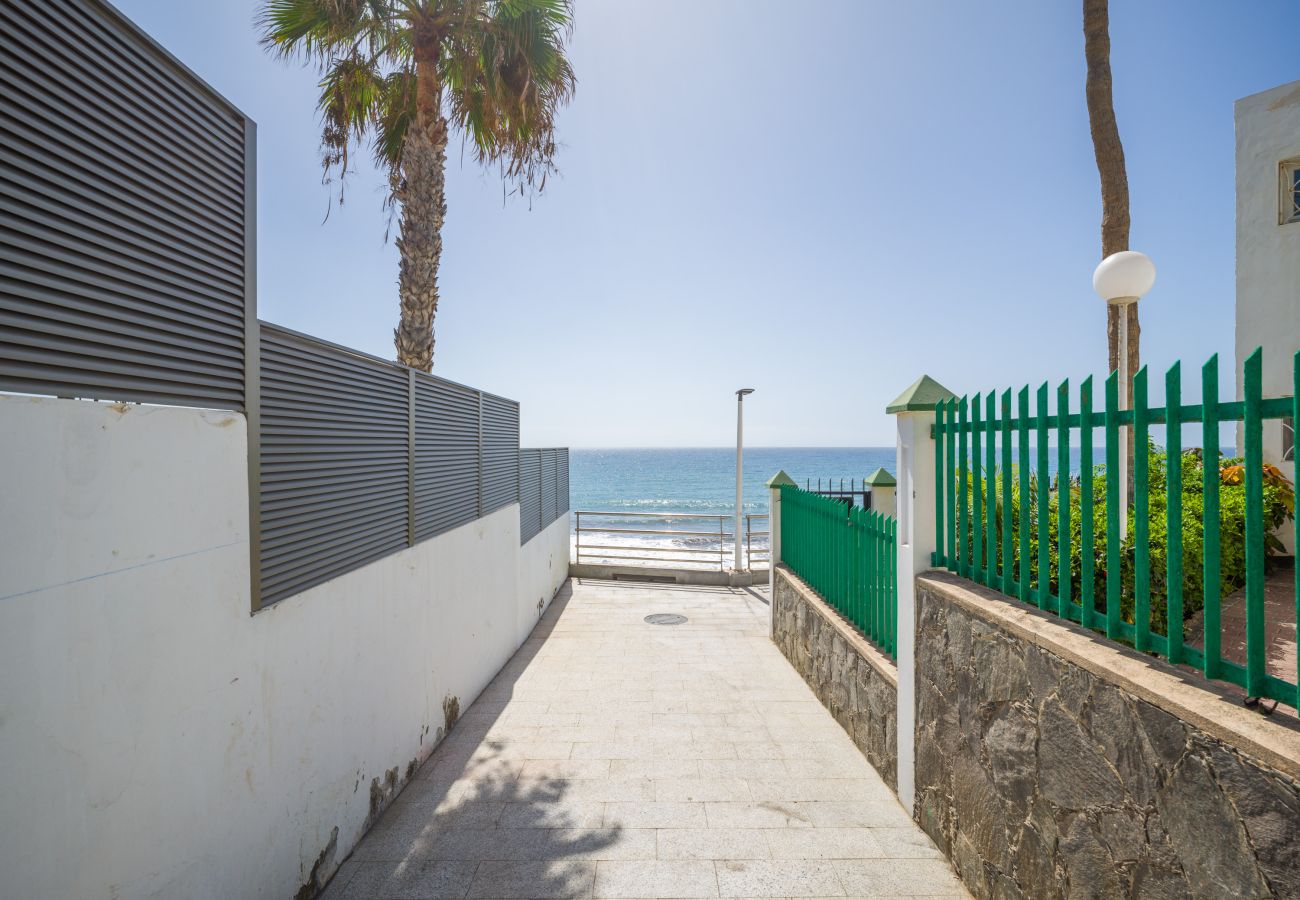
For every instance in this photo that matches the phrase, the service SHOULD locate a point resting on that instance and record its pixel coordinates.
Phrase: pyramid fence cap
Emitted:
(924, 394)
(880, 478)
(779, 479)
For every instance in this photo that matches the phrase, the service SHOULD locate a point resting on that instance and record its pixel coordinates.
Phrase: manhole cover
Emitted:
(665, 619)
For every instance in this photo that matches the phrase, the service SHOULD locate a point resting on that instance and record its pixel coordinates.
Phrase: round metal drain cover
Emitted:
(665, 619)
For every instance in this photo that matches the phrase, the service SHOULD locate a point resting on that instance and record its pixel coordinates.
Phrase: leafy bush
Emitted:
(1279, 508)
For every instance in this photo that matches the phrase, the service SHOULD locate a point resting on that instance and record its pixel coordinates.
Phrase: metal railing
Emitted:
(1006, 522)
(764, 553)
(847, 555)
(641, 538)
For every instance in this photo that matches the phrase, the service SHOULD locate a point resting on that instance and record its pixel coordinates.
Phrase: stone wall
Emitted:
(853, 680)
(1051, 763)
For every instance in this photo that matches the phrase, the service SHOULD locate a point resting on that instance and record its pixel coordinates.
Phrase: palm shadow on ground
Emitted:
(470, 823)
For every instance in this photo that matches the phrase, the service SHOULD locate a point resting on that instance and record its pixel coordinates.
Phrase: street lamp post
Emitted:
(740, 446)
(1122, 279)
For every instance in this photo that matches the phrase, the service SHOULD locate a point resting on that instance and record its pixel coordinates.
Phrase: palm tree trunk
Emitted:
(422, 195)
(1109, 153)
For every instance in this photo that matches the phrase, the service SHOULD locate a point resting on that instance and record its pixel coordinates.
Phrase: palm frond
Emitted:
(319, 29)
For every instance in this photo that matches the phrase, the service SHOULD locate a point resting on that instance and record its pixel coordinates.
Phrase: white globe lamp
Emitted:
(1122, 279)
(1124, 276)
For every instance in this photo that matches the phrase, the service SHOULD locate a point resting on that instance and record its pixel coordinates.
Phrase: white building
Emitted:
(1268, 250)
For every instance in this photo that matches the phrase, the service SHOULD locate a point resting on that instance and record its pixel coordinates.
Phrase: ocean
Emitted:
(693, 481)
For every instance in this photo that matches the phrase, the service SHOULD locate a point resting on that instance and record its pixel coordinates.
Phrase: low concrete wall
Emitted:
(1051, 763)
(611, 572)
(157, 739)
(854, 680)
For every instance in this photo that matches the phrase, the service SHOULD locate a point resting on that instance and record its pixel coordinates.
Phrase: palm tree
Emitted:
(1109, 152)
(400, 75)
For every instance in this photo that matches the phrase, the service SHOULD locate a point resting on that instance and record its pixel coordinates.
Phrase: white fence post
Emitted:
(916, 519)
(883, 489)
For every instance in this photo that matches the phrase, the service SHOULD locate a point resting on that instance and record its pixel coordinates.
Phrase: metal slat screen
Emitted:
(446, 456)
(561, 482)
(550, 486)
(122, 215)
(127, 272)
(530, 494)
(543, 489)
(334, 451)
(500, 452)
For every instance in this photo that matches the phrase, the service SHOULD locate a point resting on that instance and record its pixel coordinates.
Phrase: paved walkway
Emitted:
(613, 758)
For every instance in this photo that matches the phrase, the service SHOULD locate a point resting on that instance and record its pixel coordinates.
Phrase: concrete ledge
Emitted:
(666, 575)
(857, 643)
(1201, 704)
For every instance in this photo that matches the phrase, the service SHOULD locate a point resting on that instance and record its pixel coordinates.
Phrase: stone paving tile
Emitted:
(563, 812)
(654, 814)
(828, 789)
(823, 843)
(613, 759)
(713, 843)
(879, 814)
(543, 880)
(659, 878)
(564, 769)
(418, 880)
(888, 878)
(756, 815)
(699, 789)
(659, 769)
(784, 878)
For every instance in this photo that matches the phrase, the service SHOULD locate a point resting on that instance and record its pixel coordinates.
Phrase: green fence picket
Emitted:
(1141, 515)
(848, 556)
(1087, 540)
(1113, 487)
(1253, 444)
(1211, 548)
(990, 493)
(951, 460)
(1064, 553)
(1174, 513)
(1022, 531)
(963, 504)
(1044, 594)
(1008, 577)
(937, 558)
(977, 494)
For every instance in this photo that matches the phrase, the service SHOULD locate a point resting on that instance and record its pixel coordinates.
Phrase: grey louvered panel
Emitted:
(562, 482)
(550, 475)
(122, 215)
(446, 455)
(500, 452)
(530, 494)
(333, 461)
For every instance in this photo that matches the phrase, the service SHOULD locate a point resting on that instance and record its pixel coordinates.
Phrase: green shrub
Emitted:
(1279, 508)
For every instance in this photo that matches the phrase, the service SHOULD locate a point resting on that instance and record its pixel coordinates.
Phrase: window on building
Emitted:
(1288, 439)
(1290, 193)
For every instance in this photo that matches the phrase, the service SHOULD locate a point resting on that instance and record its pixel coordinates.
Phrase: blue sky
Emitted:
(819, 200)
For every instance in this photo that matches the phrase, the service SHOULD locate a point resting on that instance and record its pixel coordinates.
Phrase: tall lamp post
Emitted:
(1122, 279)
(740, 446)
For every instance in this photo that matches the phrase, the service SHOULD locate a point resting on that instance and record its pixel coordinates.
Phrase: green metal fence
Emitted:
(983, 457)
(848, 556)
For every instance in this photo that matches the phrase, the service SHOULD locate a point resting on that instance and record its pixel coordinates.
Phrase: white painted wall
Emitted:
(157, 740)
(1268, 253)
